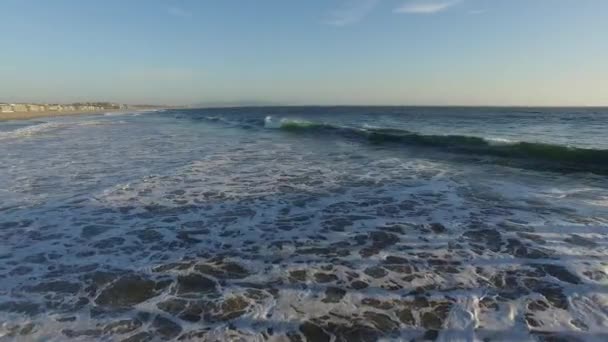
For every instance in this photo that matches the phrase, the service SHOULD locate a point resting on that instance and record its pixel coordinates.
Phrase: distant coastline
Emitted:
(25, 111)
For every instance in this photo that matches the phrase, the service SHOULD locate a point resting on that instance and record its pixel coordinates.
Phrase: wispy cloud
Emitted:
(179, 12)
(351, 11)
(425, 6)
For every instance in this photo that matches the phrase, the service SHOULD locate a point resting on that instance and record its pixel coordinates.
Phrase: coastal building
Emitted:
(19, 107)
(34, 108)
(6, 108)
(80, 107)
(55, 107)
(85, 108)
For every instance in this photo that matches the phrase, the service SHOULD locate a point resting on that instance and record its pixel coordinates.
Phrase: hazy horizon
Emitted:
(347, 52)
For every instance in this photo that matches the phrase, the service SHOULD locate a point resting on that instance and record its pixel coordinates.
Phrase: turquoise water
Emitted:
(312, 223)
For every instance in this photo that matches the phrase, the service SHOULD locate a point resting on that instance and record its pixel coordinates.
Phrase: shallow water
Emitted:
(229, 224)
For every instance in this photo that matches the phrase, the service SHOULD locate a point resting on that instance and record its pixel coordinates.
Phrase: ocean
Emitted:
(306, 224)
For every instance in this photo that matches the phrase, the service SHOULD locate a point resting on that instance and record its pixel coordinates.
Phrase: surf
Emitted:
(550, 156)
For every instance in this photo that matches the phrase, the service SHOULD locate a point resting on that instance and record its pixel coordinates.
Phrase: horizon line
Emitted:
(389, 105)
(253, 104)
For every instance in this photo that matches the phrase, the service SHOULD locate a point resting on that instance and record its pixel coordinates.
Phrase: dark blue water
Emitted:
(577, 127)
(558, 139)
(306, 223)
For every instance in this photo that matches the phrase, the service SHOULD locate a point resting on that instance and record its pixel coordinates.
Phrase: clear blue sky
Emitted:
(436, 52)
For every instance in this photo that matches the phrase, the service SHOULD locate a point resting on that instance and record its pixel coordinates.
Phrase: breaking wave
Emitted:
(45, 127)
(551, 156)
(31, 130)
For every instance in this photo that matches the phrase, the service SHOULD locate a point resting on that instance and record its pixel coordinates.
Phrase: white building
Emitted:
(55, 107)
(34, 108)
(6, 108)
(18, 107)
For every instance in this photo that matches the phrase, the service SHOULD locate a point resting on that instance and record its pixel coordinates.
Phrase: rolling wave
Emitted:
(544, 155)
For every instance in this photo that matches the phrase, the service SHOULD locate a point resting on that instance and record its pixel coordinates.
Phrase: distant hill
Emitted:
(242, 103)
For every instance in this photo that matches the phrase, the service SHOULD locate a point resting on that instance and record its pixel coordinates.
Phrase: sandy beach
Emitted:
(43, 114)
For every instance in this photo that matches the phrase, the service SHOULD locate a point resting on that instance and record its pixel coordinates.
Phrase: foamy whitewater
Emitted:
(306, 224)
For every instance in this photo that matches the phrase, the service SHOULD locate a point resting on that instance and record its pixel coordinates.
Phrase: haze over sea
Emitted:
(316, 223)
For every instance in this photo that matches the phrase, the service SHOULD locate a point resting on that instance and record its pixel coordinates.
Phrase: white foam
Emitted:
(270, 122)
(118, 113)
(461, 322)
(200, 179)
(499, 141)
(368, 126)
(48, 127)
(32, 130)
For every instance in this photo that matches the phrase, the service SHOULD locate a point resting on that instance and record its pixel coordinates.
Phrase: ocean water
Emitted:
(306, 224)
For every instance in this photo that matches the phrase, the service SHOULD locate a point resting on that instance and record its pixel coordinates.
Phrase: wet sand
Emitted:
(44, 114)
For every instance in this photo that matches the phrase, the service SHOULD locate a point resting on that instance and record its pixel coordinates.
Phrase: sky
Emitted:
(313, 52)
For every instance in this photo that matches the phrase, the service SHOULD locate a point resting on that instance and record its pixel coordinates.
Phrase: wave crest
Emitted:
(565, 158)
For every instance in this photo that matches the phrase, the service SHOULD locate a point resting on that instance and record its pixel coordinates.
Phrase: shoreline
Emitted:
(49, 114)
